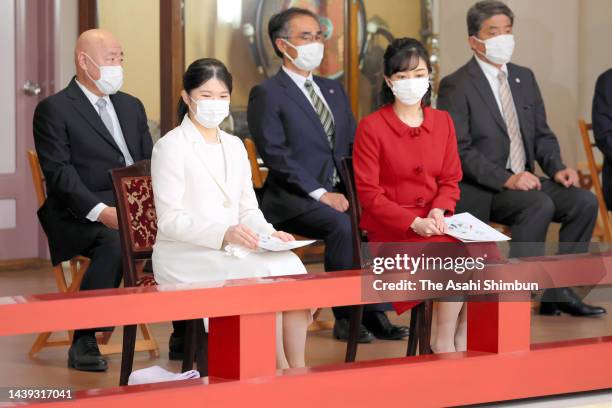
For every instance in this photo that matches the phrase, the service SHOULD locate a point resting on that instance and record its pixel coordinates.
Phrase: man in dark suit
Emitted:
(501, 128)
(602, 129)
(81, 133)
(303, 125)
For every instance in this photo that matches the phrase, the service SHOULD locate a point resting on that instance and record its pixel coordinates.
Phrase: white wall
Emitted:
(595, 50)
(66, 31)
(565, 42)
(7, 84)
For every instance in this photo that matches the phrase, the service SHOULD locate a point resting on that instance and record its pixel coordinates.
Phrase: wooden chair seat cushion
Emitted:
(142, 217)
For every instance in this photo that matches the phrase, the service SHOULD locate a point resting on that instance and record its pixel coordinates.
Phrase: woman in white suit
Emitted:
(205, 200)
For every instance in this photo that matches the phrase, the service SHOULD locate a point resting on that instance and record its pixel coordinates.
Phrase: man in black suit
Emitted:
(602, 129)
(81, 133)
(303, 125)
(501, 128)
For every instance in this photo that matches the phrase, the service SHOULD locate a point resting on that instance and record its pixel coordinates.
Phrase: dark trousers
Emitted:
(334, 228)
(105, 269)
(529, 213)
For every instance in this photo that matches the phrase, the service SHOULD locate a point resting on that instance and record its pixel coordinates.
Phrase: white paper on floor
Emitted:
(156, 374)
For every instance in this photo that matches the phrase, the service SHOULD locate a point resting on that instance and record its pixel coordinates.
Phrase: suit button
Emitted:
(121, 159)
(418, 169)
(420, 201)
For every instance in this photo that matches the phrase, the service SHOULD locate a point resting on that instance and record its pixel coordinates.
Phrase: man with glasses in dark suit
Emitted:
(501, 127)
(303, 125)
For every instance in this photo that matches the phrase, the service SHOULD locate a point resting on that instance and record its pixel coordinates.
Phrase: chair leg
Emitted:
(425, 328)
(190, 345)
(127, 357)
(148, 338)
(60, 279)
(201, 349)
(413, 339)
(105, 337)
(40, 342)
(354, 329)
(77, 267)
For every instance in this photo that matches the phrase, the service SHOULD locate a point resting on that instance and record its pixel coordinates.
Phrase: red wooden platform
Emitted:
(501, 363)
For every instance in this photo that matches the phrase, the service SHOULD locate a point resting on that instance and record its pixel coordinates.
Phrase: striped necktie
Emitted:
(327, 120)
(325, 115)
(517, 149)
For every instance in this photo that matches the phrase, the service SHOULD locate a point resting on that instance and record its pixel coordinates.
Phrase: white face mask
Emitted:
(499, 49)
(111, 77)
(410, 91)
(309, 55)
(211, 112)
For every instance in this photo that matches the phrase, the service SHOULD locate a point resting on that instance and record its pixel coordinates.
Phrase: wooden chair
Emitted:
(421, 315)
(77, 266)
(603, 228)
(258, 173)
(137, 229)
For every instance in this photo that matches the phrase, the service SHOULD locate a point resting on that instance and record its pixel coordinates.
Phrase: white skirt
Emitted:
(179, 262)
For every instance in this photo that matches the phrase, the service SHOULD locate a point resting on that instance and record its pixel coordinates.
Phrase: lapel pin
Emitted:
(331, 91)
(518, 80)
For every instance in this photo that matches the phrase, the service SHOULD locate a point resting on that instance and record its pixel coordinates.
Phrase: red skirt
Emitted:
(462, 249)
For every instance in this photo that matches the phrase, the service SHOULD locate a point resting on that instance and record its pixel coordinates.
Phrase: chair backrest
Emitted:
(257, 174)
(136, 213)
(37, 177)
(348, 177)
(594, 170)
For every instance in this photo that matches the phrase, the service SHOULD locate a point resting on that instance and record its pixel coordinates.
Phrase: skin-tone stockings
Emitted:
(291, 328)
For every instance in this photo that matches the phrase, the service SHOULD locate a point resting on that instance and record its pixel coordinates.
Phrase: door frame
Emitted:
(34, 61)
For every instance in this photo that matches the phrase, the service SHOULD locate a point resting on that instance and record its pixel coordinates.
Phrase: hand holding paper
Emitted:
(266, 243)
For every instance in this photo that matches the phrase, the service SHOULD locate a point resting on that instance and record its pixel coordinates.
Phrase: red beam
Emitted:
(425, 381)
(501, 327)
(244, 346)
(249, 296)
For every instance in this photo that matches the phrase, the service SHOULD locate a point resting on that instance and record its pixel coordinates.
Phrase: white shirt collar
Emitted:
(297, 78)
(93, 98)
(491, 71)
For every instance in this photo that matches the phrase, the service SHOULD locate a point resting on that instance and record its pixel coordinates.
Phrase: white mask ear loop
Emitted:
(93, 62)
(476, 50)
(189, 105)
(286, 54)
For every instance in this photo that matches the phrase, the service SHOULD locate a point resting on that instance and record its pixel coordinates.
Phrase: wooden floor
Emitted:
(48, 368)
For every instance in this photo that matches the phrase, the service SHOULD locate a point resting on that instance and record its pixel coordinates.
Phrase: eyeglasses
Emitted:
(308, 37)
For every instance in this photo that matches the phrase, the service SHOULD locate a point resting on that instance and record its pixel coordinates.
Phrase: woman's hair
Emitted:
(199, 72)
(403, 54)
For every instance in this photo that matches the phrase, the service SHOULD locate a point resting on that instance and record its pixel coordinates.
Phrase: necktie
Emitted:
(326, 119)
(106, 119)
(517, 149)
(105, 116)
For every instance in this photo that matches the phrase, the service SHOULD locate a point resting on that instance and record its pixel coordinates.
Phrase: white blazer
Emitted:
(195, 208)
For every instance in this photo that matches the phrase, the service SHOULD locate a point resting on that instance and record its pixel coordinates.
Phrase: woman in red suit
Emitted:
(407, 171)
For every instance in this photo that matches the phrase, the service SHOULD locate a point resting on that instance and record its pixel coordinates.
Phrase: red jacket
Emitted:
(402, 172)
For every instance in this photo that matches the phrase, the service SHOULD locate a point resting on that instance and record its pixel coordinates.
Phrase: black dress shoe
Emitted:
(378, 323)
(341, 331)
(176, 347)
(84, 355)
(567, 301)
